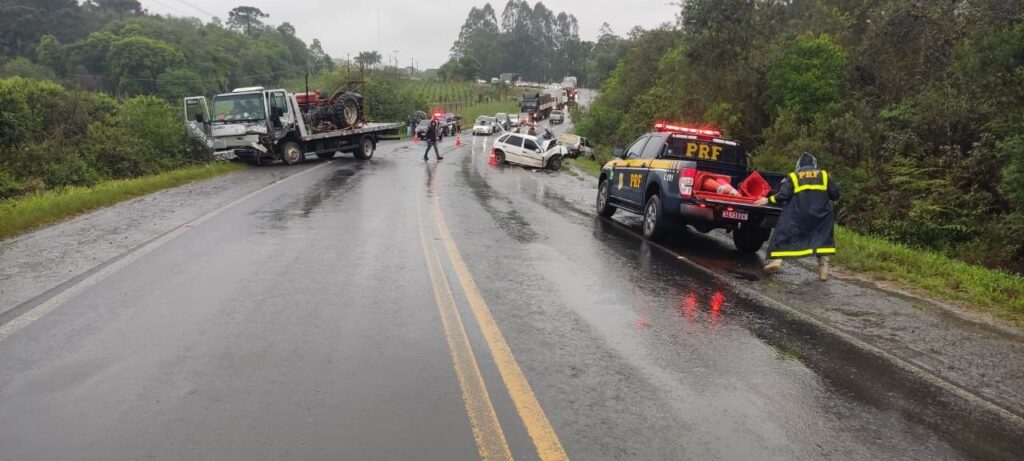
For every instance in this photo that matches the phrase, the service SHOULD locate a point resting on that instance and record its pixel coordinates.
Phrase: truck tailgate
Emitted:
(738, 203)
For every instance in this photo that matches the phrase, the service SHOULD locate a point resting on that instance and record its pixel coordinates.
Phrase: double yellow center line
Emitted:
(487, 431)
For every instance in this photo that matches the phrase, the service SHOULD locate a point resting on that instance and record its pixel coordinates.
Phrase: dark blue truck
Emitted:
(660, 176)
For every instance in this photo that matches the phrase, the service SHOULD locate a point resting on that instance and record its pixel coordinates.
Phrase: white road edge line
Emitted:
(58, 299)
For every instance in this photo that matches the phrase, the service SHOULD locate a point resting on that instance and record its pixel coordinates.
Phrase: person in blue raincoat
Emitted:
(806, 226)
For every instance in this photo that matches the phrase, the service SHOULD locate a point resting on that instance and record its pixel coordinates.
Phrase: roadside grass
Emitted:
(994, 292)
(591, 167)
(32, 211)
(470, 113)
(975, 288)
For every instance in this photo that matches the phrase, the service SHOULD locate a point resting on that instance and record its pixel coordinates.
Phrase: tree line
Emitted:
(114, 46)
(916, 107)
(93, 89)
(535, 42)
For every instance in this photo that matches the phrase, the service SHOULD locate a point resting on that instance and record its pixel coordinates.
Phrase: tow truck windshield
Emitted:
(231, 108)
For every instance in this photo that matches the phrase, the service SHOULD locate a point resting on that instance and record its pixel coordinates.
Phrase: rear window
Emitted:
(700, 149)
(514, 140)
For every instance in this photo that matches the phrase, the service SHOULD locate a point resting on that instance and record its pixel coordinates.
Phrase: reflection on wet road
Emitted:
(401, 309)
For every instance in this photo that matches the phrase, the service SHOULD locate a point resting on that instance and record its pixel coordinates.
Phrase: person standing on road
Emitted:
(807, 222)
(431, 138)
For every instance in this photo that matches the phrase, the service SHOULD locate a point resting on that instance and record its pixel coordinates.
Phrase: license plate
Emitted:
(737, 215)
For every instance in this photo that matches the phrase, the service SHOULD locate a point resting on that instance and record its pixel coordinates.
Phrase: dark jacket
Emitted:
(431, 133)
(806, 225)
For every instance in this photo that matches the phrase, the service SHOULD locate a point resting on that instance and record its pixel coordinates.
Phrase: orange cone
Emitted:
(491, 160)
(458, 141)
(723, 188)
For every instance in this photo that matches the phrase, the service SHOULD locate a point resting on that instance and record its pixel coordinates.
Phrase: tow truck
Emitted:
(660, 176)
(260, 125)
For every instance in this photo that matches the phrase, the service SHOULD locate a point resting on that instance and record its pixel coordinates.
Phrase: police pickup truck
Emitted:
(657, 176)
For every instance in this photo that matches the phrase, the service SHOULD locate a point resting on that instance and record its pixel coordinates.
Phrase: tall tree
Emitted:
(246, 18)
(368, 59)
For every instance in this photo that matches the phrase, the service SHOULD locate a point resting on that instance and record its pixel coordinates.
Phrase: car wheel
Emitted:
(291, 153)
(604, 192)
(555, 163)
(499, 157)
(654, 226)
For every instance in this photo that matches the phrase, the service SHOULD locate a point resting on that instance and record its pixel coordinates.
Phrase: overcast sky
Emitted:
(420, 29)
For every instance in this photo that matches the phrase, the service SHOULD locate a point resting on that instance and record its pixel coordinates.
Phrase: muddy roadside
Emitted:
(976, 353)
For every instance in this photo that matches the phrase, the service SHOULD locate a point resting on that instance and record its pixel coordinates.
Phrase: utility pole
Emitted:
(396, 59)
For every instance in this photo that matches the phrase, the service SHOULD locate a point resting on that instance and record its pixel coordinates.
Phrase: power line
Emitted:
(190, 5)
(171, 8)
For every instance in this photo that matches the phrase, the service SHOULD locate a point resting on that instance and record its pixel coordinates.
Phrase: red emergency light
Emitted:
(678, 128)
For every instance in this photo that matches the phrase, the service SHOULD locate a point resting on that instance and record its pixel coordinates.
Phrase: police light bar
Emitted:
(677, 128)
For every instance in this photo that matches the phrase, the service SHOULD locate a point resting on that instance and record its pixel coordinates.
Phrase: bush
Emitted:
(53, 137)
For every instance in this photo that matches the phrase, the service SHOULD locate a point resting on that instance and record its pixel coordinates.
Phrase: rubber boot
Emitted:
(823, 268)
(773, 266)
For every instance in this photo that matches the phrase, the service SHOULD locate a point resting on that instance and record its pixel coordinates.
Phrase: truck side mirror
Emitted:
(619, 152)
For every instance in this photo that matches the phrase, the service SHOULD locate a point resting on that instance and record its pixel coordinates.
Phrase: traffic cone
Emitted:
(491, 160)
(458, 141)
(723, 188)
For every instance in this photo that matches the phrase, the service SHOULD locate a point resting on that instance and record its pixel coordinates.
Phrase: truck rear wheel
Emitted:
(654, 221)
(291, 153)
(365, 150)
(749, 239)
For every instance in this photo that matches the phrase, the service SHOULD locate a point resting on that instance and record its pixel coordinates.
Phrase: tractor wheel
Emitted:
(346, 111)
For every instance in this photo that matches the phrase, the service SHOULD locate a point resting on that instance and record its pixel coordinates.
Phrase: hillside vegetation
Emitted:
(915, 107)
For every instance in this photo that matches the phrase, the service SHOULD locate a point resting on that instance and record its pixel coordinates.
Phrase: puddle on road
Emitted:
(277, 218)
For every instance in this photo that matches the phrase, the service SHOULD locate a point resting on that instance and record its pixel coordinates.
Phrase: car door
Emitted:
(651, 151)
(197, 120)
(532, 154)
(512, 145)
(627, 174)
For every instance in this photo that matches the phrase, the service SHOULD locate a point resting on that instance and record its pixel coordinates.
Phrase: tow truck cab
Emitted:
(660, 176)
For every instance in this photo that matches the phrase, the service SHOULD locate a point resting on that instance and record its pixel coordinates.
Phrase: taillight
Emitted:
(686, 176)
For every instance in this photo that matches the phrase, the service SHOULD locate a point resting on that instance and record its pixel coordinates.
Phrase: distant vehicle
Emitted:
(421, 129)
(577, 146)
(557, 117)
(538, 104)
(570, 85)
(503, 120)
(685, 174)
(513, 120)
(446, 123)
(485, 126)
(558, 97)
(457, 120)
(258, 125)
(528, 150)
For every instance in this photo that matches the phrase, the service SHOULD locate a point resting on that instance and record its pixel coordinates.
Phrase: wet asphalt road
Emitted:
(345, 313)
